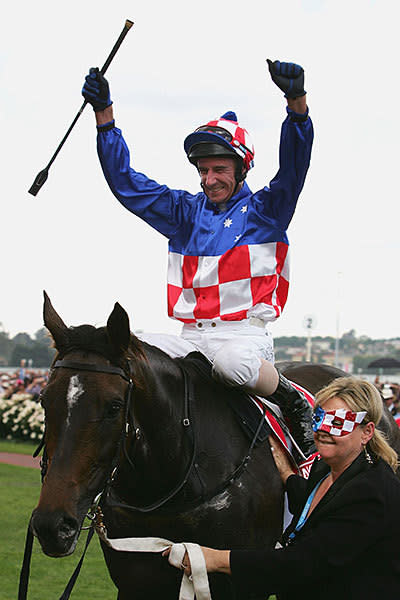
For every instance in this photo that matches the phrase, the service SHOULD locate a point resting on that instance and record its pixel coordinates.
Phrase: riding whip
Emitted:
(42, 176)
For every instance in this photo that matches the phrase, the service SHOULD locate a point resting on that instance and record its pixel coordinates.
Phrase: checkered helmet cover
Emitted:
(233, 136)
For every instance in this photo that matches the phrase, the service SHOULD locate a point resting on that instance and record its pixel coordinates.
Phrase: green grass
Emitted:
(18, 447)
(19, 492)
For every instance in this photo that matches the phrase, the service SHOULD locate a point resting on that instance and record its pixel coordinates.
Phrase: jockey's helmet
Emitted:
(222, 137)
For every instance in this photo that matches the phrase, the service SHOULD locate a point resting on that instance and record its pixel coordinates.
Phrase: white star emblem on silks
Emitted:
(238, 237)
(243, 209)
(227, 222)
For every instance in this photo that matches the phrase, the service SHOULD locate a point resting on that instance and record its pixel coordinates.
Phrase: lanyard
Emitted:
(303, 516)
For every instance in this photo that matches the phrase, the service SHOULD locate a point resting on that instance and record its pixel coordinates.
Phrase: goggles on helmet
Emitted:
(337, 422)
(219, 130)
(238, 147)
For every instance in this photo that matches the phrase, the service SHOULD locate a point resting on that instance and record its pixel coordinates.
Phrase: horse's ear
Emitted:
(54, 323)
(118, 328)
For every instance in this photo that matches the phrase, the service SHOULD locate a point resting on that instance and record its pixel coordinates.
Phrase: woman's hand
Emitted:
(283, 464)
(217, 561)
(185, 564)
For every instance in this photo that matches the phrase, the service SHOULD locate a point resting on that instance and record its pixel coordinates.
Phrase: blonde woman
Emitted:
(344, 537)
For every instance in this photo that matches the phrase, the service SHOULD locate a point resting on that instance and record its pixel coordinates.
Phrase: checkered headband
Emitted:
(337, 422)
(225, 132)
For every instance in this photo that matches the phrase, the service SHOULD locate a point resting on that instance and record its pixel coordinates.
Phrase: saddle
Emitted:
(249, 410)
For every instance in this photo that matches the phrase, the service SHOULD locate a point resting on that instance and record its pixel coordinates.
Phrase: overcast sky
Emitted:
(182, 64)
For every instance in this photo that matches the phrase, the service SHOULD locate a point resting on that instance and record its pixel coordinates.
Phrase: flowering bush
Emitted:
(21, 417)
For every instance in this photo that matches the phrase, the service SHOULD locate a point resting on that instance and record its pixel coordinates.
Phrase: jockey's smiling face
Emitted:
(217, 176)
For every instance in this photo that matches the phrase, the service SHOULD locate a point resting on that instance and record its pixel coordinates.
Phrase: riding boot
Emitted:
(297, 413)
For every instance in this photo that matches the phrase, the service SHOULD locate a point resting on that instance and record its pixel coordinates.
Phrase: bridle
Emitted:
(112, 370)
(78, 366)
(188, 427)
(186, 422)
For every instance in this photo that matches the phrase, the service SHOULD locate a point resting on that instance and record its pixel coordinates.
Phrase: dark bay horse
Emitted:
(164, 442)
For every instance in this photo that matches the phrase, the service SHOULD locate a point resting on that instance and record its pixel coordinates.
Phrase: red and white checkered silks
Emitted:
(240, 137)
(248, 280)
(341, 421)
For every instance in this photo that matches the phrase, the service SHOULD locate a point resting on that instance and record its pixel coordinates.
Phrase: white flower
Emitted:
(22, 417)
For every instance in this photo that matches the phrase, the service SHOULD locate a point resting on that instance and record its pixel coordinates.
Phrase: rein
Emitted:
(188, 402)
(24, 574)
(188, 427)
(186, 422)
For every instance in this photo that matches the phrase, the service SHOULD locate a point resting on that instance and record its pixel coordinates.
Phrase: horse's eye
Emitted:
(113, 408)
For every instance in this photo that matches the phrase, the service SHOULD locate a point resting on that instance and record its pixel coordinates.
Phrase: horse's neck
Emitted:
(159, 444)
(158, 404)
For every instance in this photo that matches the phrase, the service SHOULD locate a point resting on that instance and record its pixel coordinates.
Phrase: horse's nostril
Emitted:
(57, 533)
(67, 529)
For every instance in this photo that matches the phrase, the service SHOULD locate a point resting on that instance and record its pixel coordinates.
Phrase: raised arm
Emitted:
(278, 201)
(162, 208)
(289, 77)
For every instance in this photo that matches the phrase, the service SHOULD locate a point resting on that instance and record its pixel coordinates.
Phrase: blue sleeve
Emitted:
(162, 208)
(279, 200)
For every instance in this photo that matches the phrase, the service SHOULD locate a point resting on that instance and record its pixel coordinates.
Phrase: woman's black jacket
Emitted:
(348, 549)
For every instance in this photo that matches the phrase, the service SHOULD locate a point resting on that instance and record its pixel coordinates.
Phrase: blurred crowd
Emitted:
(31, 381)
(23, 381)
(390, 393)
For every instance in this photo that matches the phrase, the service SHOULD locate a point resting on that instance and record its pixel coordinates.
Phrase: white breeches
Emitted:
(235, 348)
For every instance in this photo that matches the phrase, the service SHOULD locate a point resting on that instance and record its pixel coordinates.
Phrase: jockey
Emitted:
(228, 272)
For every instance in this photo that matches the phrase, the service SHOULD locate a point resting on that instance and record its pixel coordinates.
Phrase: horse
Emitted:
(160, 441)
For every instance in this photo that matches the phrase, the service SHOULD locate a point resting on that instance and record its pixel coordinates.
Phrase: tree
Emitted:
(5, 346)
(41, 354)
(23, 339)
(294, 341)
(42, 336)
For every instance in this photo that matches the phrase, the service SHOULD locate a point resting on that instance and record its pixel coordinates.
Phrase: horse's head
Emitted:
(85, 402)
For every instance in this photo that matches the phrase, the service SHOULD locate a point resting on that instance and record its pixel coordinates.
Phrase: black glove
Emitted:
(289, 77)
(96, 90)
